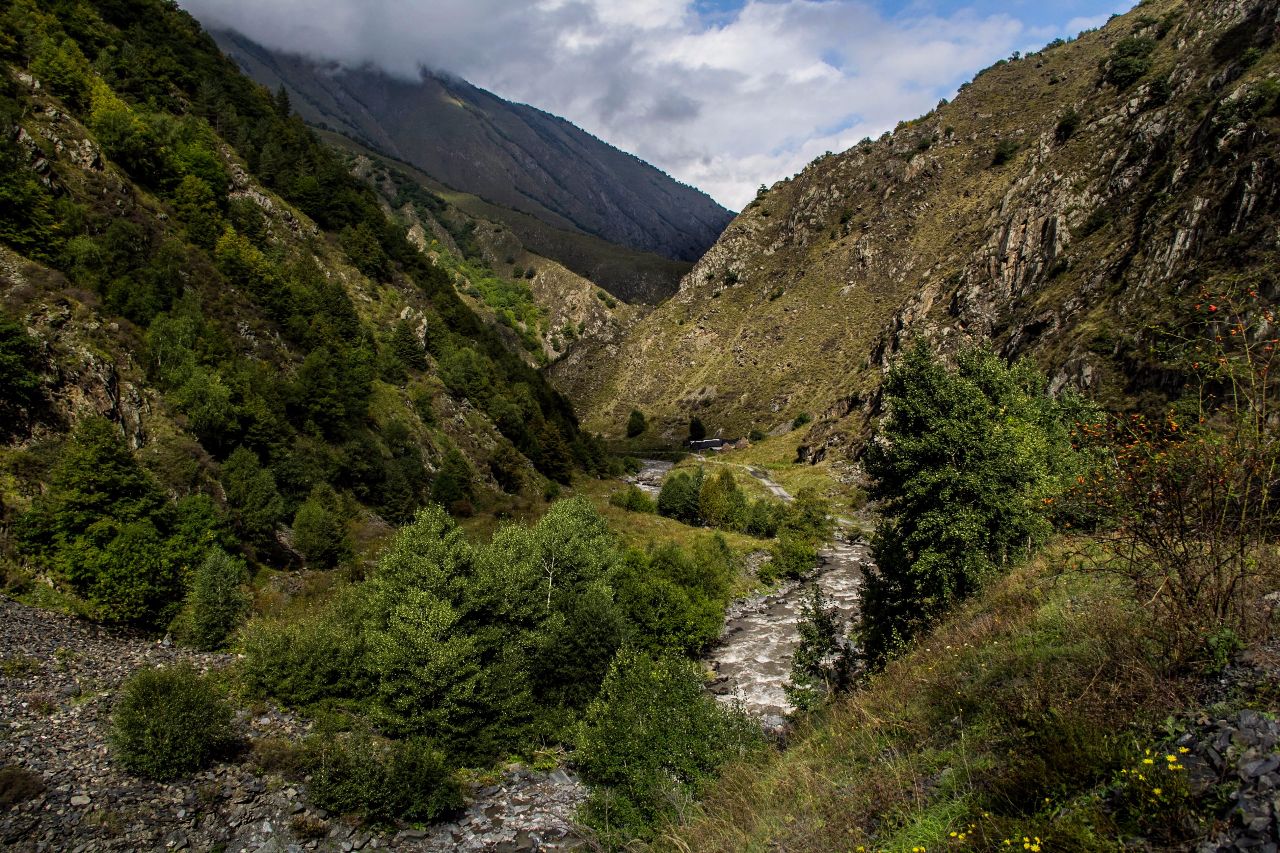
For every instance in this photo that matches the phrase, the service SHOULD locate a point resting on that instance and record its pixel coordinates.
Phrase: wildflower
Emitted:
(1157, 791)
(1171, 758)
(1147, 761)
(1184, 750)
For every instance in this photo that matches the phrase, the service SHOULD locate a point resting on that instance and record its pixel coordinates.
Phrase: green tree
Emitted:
(823, 662)
(452, 484)
(320, 529)
(636, 424)
(19, 375)
(169, 722)
(697, 430)
(216, 600)
(256, 504)
(681, 495)
(961, 466)
(650, 740)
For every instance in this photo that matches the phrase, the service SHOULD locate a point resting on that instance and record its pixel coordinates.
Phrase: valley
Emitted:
(385, 464)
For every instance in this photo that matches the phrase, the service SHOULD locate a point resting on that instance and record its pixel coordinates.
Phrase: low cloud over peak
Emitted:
(722, 95)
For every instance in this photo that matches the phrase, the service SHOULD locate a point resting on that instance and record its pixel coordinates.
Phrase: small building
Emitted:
(706, 444)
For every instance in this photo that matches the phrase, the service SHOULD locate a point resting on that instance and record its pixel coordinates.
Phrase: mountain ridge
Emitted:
(1062, 205)
(512, 154)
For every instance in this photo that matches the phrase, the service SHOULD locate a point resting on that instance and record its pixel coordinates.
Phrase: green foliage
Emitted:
(1067, 126)
(823, 662)
(792, 556)
(256, 505)
(19, 376)
(320, 529)
(309, 656)
(168, 722)
(680, 496)
(650, 740)
(453, 482)
(697, 430)
(363, 247)
(633, 498)
(1130, 61)
(674, 599)
(721, 503)
(801, 420)
(1005, 151)
(105, 528)
(382, 780)
(216, 601)
(636, 424)
(963, 467)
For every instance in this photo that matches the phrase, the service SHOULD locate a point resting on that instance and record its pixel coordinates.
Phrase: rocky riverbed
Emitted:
(752, 658)
(60, 790)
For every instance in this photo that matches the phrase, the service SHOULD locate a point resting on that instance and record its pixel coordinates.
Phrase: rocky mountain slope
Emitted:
(510, 154)
(1063, 203)
(185, 259)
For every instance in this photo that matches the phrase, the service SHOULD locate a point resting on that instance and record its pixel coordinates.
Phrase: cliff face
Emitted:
(1060, 206)
(510, 154)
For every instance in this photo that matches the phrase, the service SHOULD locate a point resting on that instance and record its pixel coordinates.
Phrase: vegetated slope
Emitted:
(186, 260)
(538, 305)
(511, 154)
(630, 275)
(1062, 203)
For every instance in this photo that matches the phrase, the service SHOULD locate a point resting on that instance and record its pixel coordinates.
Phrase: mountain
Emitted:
(509, 154)
(195, 284)
(1061, 207)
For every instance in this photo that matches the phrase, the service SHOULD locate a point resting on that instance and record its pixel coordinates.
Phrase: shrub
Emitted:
(649, 741)
(965, 466)
(314, 655)
(633, 498)
(320, 529)
(216, 600)
(823, 662)
(697, 430)
(636, 423)
(679, 497)
(383, 780)
(756, 435)
(801, 419)
(792, 557)
(1130, 60)
(169, 722)
(1005, 151)
(1067, 126)
(19, 375)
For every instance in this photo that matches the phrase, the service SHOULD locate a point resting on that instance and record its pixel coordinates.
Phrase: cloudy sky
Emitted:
(722, 94)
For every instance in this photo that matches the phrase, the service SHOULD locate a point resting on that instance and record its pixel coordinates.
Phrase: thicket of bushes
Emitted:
(490, 649)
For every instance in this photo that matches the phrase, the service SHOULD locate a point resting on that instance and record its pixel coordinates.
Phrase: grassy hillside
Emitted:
(1063, 203)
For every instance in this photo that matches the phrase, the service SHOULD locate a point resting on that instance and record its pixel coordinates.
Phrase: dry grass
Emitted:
(1020, 702)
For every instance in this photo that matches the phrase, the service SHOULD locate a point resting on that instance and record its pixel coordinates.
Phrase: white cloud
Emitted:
(723, 104)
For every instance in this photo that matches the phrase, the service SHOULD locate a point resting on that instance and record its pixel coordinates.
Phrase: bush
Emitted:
(792, 557)
(1005, 151)
(965, 466)
(320, 529)
(383, 780)
(636, 423)
(1129, 62)
(216, 600)
(1067, 126)
(633, 498)
(19, 376)
(650, 740)
(801, 420)
(823, 662)
(680, 496)
(314, 655)
(697, 430)
(169, 722)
